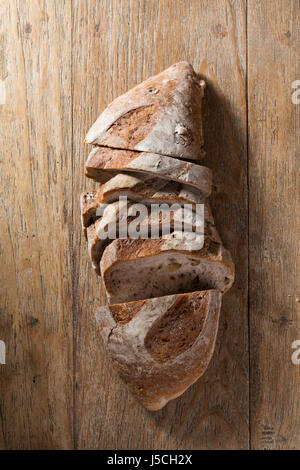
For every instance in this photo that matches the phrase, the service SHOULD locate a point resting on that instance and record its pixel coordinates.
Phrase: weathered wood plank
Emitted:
(115, 46)
(274, 138)
(36, 405)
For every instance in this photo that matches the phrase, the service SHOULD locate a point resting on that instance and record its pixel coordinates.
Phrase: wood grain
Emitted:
(36, 405)
(274, 138)
(61, 63)
(115, 46)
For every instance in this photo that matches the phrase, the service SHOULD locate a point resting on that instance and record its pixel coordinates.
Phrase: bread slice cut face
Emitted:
(140, 269)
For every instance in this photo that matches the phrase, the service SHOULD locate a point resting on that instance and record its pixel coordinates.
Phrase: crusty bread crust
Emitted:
(161, 115)
(103, 163)
(88, 207)
(155, 371)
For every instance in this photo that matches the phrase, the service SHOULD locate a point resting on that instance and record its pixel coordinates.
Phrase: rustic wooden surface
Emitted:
(61, 63)
(274, 139)
(36, 397)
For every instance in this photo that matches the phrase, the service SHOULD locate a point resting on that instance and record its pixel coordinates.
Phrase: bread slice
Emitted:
(98, 241)
(151, 190)
(140, 188)
(161, 346)
(139, 269)
(103, 163)
(160, 115)
(143, 187)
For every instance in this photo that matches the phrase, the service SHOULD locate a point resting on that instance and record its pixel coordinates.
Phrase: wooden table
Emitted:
(61, 63)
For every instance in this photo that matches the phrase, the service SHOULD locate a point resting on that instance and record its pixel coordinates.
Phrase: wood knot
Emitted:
(33, 321)
(285, 37)
(28, 28)
(219, 31)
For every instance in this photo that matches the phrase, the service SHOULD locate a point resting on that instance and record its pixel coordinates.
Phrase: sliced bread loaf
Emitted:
(140, 269)
(160, 115)
(103, 163)
(161, 346)
(99, 239)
